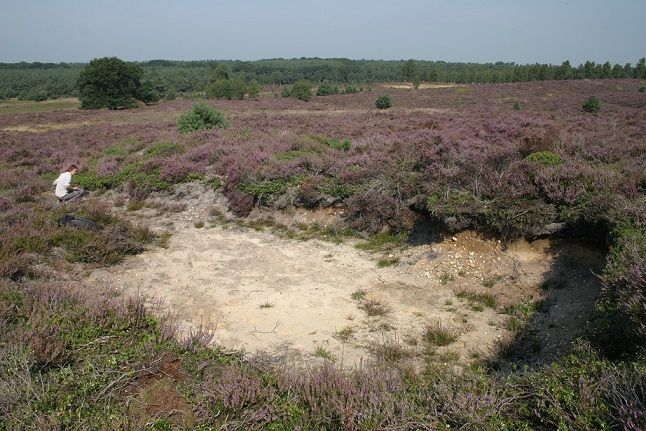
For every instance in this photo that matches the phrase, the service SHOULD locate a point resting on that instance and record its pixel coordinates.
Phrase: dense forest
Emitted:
(40, 81)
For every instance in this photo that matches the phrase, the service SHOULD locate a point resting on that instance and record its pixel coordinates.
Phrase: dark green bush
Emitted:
(383, 102)
(227, 88)
(642, 89)
(302, 90)
(253, 89)
(327, 89)
(592, 105)
(201, 116)
(286, 91)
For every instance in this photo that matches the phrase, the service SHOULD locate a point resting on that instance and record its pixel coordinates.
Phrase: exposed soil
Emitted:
(294, 299)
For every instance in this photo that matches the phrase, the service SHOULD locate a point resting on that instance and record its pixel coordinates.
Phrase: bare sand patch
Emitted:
(305, 300)
(407, 86)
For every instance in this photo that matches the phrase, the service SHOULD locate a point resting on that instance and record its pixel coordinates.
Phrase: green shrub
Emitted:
(163, 149)
(302, 90)
(272, 187)
(327, 89)
(253, 89)
(642, 89)
(546, 158)
(201, 116)
(350, 89)
(227, 88)
(383, 102)
(286, 91)
(517, 106)
(592, 104)
(337, 144)
(92, 181)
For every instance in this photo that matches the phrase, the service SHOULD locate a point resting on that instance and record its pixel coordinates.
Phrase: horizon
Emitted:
(462, 31)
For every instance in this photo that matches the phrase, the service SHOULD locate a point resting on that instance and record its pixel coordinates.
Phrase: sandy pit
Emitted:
(306, 300)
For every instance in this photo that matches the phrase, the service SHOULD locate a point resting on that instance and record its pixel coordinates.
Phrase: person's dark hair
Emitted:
(72, 167)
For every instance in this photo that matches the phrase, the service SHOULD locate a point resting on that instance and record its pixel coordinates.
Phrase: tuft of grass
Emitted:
(323, 353)
(266, 304)
(390, 351)
(384, 241)
(384, 263)
(375, 307)
(163, 239)
(199, 224)
(359, 294)
(478, 298)
(436, 334)
(446, 278)
(344, 334)
(490, 282)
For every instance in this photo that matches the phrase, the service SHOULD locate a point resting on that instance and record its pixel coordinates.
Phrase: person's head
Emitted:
(73, 169)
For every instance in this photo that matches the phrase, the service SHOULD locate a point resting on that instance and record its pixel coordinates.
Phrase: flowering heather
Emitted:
(459, 157)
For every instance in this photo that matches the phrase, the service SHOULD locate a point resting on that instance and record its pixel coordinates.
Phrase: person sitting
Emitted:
(65, 192)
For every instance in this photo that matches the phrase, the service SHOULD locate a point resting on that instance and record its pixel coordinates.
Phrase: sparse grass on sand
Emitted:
(438, 334)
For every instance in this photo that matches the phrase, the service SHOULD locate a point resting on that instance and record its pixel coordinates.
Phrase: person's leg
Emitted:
(73, 195)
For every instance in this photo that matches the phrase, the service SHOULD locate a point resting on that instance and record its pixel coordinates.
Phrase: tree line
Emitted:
(168, 78)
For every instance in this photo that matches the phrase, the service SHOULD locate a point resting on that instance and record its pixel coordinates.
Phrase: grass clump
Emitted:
(359, 294)
(478, 298)
(375, 308)
(323, 353)
(436, 334)
(384, 241)
(201, 116)
(344, 335)
(385, 263)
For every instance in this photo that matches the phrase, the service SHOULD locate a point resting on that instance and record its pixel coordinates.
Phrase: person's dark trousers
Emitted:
(73, 195)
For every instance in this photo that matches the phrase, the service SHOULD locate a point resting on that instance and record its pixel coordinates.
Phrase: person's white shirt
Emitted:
(62, 183)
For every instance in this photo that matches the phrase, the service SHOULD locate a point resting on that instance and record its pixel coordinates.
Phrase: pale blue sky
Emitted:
(523, 31)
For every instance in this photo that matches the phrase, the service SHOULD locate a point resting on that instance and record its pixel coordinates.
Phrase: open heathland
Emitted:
(471, 257)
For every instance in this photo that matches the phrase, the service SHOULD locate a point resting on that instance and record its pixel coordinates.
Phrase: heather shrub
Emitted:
(201, 116)
(622, 324)
(383, 102)
(375, 209)
(108, 246)
(546, 158)
(592, 104)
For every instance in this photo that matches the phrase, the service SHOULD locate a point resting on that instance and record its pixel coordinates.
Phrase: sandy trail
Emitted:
(266, 294)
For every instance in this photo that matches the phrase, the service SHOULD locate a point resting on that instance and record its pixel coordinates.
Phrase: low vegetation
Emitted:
(74, 356)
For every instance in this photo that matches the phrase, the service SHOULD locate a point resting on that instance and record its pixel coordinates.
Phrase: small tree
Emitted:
(592, 105)
(302, 90)
(109, 83)
(233, 88)
(327, 89)
(253, 89)
(383, 102)
(201, 116)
